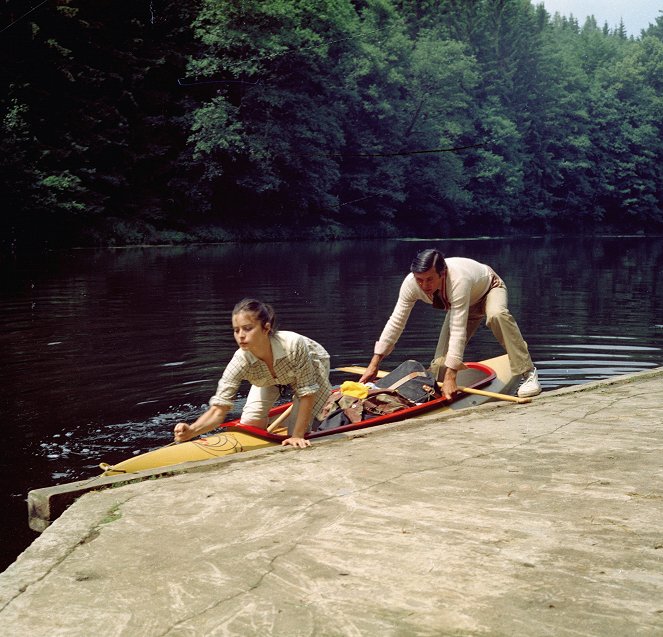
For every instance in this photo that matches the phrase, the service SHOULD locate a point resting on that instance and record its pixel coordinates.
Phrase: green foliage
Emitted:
(98, 131)
(271, 132)
(270, 119)
(59, 192)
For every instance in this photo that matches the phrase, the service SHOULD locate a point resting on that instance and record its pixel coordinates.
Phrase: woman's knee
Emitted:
(258, 403)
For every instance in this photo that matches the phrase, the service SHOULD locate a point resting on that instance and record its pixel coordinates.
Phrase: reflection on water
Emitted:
(104, 351)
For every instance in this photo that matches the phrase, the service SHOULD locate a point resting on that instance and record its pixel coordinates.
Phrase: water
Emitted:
(104, 351)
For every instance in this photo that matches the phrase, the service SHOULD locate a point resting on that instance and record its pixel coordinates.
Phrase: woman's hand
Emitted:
(183, 432)
(211, 419)
(296, 442)
(301, 424)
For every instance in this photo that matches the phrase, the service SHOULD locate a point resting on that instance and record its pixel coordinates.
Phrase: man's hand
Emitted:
(449, 385)
(372, 369)
(369, 375)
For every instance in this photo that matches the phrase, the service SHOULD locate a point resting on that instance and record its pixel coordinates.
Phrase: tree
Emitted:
(271, 135)
(655, 30)
(629, 100)
(88, 83)
(441, 82)
(119, 125)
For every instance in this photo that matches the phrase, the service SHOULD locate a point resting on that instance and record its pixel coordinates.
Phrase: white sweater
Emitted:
(466, 283)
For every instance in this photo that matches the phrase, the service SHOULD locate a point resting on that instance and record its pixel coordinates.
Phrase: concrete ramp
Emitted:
(503, 520)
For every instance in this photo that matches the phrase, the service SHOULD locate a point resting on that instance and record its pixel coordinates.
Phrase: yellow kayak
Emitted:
(492, 375)
(211, 446)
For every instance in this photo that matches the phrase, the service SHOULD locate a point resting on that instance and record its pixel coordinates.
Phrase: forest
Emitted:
(168, 122)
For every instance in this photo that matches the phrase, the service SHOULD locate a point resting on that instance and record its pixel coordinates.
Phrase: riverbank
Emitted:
(500, 520)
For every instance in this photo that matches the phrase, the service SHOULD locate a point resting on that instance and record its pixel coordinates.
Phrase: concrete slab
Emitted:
(540, 519)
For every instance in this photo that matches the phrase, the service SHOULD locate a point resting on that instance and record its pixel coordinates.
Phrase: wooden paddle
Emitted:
(354, 369)
(280, 419)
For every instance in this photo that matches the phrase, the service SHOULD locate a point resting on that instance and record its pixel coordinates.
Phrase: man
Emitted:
(468, 291)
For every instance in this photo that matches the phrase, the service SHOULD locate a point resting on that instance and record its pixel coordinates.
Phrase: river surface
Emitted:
(104, 351)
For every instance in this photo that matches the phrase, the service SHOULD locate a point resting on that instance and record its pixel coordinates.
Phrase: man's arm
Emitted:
(408, 295)
(372, 369)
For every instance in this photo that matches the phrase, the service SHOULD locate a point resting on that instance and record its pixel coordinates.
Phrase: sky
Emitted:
(637, 14)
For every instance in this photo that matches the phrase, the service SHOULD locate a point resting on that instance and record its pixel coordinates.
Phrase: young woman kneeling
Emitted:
(267, 358)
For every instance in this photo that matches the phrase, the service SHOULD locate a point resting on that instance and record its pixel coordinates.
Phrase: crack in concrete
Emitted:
(92, 534)
(251, 588)
(462, 461)
(313, 505)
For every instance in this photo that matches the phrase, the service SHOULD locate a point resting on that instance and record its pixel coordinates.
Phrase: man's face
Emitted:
(428, 281)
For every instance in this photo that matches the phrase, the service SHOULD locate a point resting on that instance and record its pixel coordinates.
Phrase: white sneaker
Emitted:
(530, 386)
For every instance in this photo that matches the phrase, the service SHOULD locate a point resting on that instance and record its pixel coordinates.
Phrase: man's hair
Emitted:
(263, 312)
(427, 259)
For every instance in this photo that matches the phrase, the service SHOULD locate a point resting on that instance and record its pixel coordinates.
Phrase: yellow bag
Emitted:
(350, 388)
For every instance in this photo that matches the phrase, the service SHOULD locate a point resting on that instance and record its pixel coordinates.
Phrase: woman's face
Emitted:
(249, 333)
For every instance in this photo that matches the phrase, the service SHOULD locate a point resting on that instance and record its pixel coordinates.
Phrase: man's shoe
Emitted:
(530, 386)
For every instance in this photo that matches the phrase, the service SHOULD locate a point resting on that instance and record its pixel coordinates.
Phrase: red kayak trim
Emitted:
(403, 414)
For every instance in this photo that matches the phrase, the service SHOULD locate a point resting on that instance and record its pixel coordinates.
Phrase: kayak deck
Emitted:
(493, 374)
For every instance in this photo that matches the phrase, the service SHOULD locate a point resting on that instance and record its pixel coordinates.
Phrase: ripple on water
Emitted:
(581, 359)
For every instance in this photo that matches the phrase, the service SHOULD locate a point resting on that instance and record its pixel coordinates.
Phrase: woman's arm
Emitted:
(304, 416)
(211, 419)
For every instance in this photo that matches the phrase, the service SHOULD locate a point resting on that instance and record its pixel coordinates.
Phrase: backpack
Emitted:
(406, 386)
(413, 381)
(342, 409)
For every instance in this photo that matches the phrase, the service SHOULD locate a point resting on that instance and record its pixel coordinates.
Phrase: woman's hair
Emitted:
(263, 312)
(427, 259)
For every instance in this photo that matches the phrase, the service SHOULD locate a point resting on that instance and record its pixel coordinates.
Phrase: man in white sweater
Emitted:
(468, 291)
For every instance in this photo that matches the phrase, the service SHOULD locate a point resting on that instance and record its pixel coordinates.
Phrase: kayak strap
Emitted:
(412, 380)
(406, 378)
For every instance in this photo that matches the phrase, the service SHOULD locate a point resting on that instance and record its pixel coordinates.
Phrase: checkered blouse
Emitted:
(299, 362)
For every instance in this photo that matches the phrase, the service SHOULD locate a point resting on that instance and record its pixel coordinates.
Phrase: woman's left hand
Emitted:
(296, 442)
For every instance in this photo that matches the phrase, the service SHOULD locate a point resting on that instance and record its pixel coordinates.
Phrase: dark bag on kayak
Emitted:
(412, 380)
(342, 409)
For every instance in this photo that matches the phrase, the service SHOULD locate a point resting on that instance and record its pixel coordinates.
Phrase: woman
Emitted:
(268, 359)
